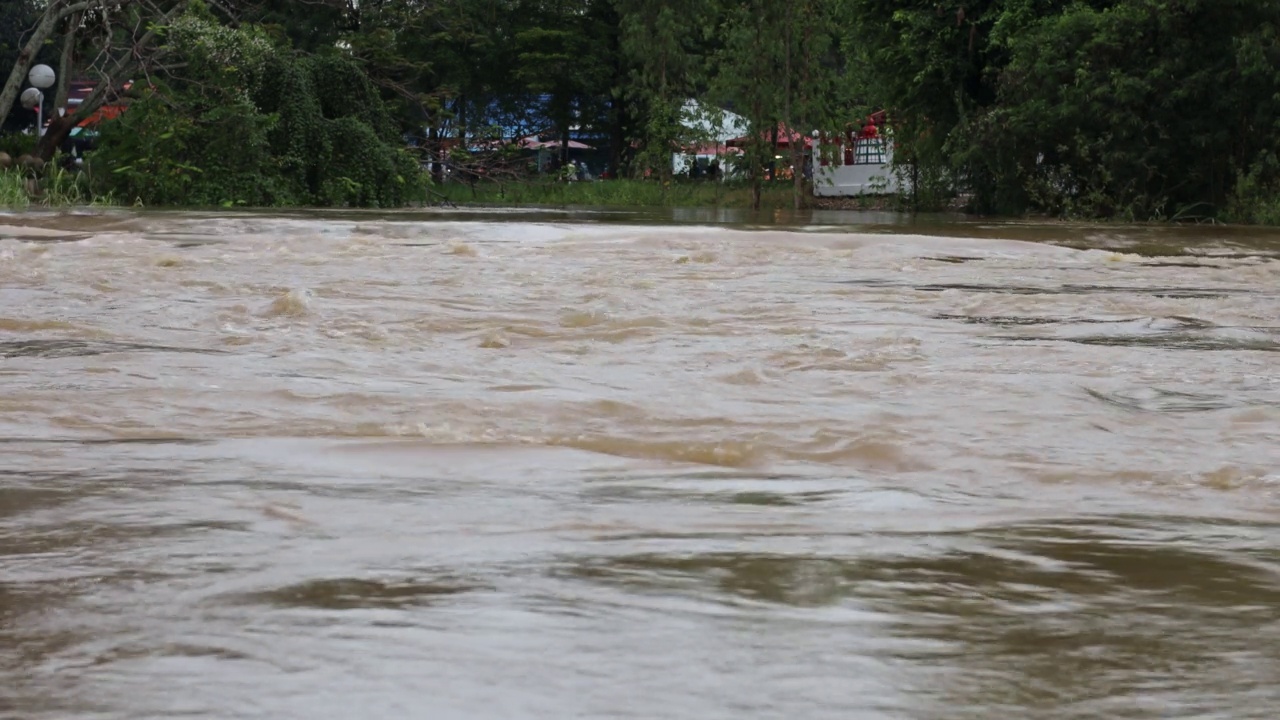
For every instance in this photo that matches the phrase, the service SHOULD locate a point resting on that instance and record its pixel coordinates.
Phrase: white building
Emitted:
(860, 164)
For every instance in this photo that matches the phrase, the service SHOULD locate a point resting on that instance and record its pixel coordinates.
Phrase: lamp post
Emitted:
(41, 77)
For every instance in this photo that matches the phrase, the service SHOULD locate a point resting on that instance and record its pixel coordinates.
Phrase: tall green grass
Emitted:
(53, 187)
(13, 190)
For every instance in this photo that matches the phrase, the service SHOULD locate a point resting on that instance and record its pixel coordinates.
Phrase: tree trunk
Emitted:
(755, 152)
(66, 62)
(755, 187)
(565, 122)
(60, 127)
(462, 121)
(618, 155)
(466, 173)
(437, 169)
(667, 170)
(757, 114)
(807, 109)
(797, 148)
(773, 147)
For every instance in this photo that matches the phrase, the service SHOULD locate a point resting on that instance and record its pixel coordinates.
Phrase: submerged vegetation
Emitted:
(617, 193)
(1128, 109)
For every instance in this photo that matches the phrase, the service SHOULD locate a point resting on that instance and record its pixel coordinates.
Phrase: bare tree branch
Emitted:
(114, 70)
(67, 60)
(54, 12)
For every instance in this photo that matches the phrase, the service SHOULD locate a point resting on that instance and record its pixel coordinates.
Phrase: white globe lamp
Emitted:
(30, 98)
(42, 76)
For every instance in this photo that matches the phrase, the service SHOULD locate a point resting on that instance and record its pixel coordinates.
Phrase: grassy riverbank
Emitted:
(52, 187)
(617, 193)
(55, 187)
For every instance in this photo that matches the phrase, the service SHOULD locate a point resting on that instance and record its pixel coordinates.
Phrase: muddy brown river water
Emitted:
(506, 465)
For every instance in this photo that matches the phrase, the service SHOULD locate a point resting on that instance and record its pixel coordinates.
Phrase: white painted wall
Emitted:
(849, 180)
(839, 180)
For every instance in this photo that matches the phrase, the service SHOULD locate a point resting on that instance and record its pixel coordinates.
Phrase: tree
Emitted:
(931, 65)
(556, 59)
(1142, 109)
(811, 76)
(1145, 109)
(747, 68)
(661, 42)
(246, 122)
(307, 25)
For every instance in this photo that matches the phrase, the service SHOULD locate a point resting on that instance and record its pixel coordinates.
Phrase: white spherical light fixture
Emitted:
(41, 76)
(30, 98)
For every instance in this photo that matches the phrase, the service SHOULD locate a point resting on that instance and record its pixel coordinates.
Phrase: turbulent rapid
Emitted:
(607, 465)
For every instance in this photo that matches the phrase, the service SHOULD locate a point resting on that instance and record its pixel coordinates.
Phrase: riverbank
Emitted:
(617, 193)
(649, 193)
(56, 187)
(865, 203)
(51, 187)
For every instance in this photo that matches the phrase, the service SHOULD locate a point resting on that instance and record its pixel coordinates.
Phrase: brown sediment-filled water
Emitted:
(599, 465)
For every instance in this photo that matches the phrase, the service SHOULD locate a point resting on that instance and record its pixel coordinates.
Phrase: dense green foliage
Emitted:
(54, 187)
(249, 123)
(619, 73)
(1136, 109)
(1140, 109)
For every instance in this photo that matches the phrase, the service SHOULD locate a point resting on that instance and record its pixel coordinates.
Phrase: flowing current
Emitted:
(506, 465)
